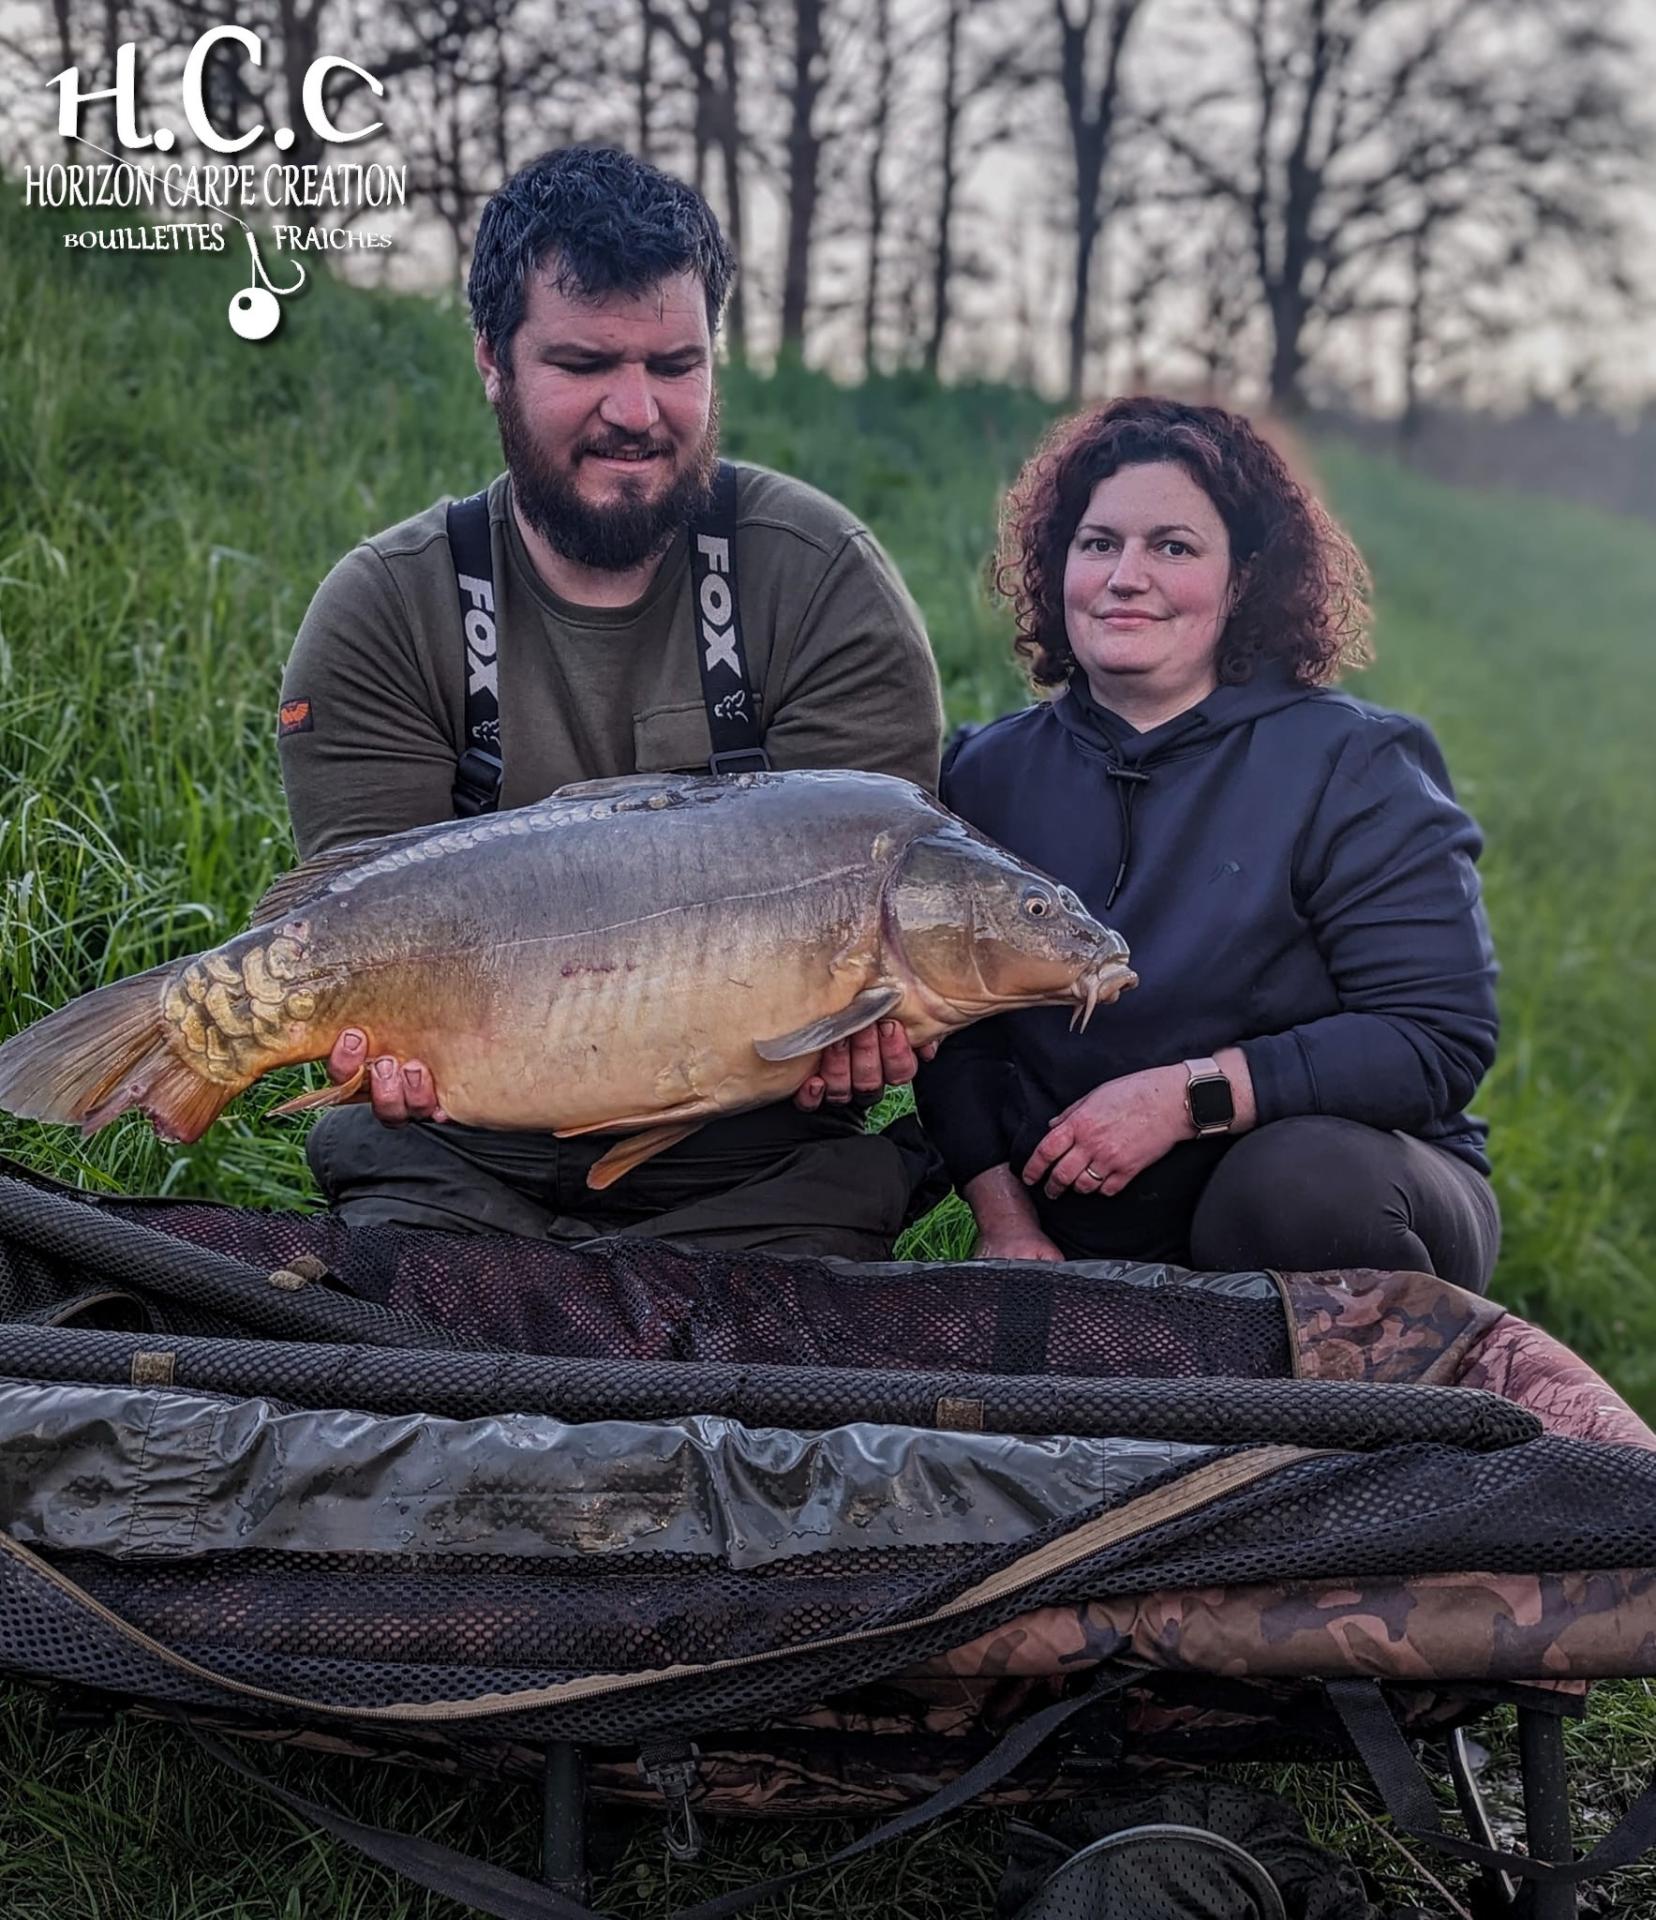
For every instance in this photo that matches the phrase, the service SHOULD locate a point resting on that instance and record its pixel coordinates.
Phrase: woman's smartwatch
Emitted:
(1208, 1097)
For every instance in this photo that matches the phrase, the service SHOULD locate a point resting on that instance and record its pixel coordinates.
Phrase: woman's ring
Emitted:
(1089, 1173)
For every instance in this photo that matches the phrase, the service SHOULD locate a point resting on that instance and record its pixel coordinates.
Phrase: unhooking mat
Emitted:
(458, 1498)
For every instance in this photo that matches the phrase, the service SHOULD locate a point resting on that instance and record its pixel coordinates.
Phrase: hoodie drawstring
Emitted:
(1127, 780)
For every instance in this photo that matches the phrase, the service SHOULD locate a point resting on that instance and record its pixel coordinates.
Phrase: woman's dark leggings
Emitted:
(1300, 1195)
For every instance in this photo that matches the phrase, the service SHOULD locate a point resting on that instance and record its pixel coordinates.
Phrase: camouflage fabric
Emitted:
(1522, 1363)
(783, 1772)
(1360, 1324)
(1453, 1627)
(880, 1749)
(1363, 1324)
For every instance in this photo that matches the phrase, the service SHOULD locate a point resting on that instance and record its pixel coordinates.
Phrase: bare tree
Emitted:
(1143, 295)
(948, 182)
(477, 108)
(649, 19)
(804, 136)
(878, 138)
(1412, 181)
(1358, 128)
(114, 21)
(1092, 44)
(1475, 286)
(1227, 306)
(883, 171)
(728, 135)
(691, 50)
(807, 75)
(980, 71)
(87, 34)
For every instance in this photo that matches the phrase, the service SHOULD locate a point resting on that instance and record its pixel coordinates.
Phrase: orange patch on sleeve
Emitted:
(294, 716)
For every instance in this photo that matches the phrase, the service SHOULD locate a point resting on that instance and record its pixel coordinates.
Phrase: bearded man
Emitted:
(545, 632)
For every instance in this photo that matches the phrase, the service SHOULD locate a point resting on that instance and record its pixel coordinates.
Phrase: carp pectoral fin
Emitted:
(874, 1003)
(635, 1151)
(353, 1089)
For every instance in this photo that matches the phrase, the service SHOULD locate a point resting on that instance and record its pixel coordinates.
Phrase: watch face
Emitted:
(1211, 1104)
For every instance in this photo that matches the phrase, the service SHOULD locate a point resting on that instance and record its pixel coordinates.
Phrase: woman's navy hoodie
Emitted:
(1292, 874)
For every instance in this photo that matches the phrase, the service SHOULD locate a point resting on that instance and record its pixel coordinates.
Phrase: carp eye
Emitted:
(1037, 905)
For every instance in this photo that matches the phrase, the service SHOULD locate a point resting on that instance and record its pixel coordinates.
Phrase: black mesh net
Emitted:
(299, 1310)
(1159, 1873)
(202, 1268)
(379, 1633)
(1194, 1850)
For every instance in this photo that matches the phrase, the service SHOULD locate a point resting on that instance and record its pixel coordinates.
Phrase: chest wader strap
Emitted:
(477, 777)
(727, 687)
(721, 655)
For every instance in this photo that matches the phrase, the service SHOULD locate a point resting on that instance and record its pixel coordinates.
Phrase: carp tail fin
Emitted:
(104, 1053)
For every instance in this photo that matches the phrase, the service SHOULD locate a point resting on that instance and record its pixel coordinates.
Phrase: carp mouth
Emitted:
(1097, 987)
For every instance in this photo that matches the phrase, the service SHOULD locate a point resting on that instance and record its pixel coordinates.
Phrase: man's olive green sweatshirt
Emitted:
(373, 698)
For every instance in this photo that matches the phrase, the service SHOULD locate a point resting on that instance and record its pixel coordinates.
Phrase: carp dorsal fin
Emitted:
(623, 783)
(872, 1004)
(311, 877)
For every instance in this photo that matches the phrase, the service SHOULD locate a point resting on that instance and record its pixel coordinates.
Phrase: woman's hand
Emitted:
(1109, 1136)
(1007, 1226)
(398, 1090)
(862, 1067)
(1016, 1243)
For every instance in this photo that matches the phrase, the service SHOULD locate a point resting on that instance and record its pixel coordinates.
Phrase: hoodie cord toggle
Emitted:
(1126, 782)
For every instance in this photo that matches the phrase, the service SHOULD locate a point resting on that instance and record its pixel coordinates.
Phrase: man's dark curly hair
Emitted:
(1303, 590)
(603, 222)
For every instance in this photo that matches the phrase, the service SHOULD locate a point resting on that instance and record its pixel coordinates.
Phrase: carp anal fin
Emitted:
(346, 1091)
(103, 1053)
(635, 1150)
(311, 877)
(697, 1110)
(872, 1004)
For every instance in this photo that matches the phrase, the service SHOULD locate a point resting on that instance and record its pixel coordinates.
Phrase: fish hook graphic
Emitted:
(254, 312)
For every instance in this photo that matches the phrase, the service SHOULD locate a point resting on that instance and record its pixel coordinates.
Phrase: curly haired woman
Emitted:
(1288, 1085)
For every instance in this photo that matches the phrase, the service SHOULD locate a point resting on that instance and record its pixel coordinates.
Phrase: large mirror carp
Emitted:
(631, 954)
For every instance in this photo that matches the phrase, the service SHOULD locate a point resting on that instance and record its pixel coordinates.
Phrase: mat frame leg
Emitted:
(1497, 1892)
(563, 1852)
(1546, 1812)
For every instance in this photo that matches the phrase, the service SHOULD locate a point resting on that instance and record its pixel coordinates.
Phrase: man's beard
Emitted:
(621, 534)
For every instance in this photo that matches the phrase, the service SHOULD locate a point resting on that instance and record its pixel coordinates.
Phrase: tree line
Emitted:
(1293, 199)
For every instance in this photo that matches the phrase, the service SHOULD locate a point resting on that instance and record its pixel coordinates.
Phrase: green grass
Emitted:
(169, 496)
